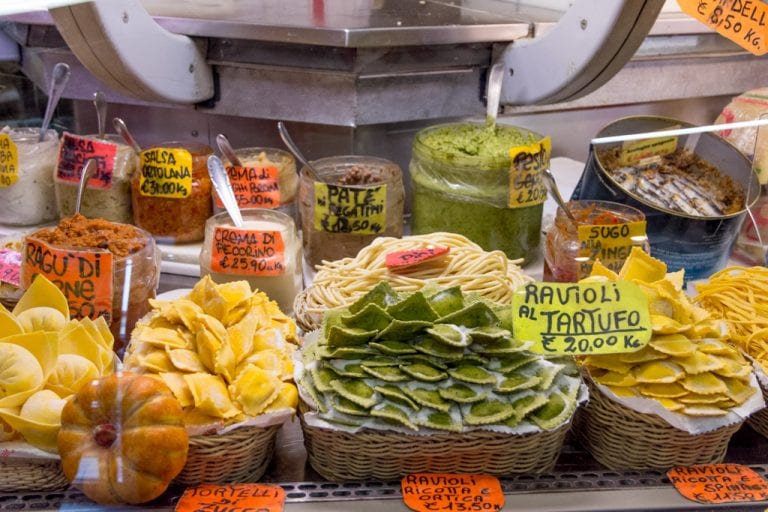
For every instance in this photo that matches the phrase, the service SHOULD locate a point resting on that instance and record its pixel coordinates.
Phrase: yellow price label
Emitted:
(526, 186)
(589, 318)
(353, 210)
(9, 161)
(165, 172)
(640, 152)
(609, 243)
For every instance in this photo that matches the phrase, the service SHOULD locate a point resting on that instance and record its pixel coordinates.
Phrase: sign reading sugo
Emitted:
(587, 318)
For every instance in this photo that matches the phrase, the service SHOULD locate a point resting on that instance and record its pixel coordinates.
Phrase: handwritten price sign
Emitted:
(254, 187)
(247, 252)
(232, 498)
(425, 492)
(165, 172)
(526, 187)
(573, 319)
(741, 21)
(402, 259)
(354, 210)
(609, 243)
(75, 151)
(10, 266)
(9, 161)
(718, 483)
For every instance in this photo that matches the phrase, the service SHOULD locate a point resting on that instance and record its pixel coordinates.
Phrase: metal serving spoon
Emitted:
(223, 187)
(100, 102)
(58, 83)
(88, 169)
(551, 184)
(295, 150)
(122, 130)
(226, 149)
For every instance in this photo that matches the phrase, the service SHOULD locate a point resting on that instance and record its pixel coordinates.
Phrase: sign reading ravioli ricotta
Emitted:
(424, 492)
(588, 318)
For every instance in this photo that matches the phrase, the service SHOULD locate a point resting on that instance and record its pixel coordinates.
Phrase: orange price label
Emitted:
(75, 151)
(399, 259)
(718, 483)
(254, 187)
(247, 252)
(425, 492)
(84, 277)
(232, 498)
(741, 21)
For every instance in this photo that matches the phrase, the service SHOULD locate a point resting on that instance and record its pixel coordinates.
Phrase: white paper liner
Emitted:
(313, 419)
(21, 450)
(692, 424)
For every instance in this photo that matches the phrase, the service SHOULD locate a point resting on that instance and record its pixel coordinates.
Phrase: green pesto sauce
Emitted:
(460, 178)
(475, 140)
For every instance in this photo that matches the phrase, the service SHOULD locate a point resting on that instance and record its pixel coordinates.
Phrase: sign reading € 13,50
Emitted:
(589, 318)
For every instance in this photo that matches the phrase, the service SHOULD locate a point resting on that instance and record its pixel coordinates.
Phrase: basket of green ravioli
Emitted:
(431, 381)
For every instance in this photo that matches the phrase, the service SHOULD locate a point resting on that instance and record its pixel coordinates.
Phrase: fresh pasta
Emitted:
(739, 295)
(341, 282)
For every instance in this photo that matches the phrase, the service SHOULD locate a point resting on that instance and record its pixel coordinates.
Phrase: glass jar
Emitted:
(135, 269)
(359, 198)
(267, 179)
(108, 192)
(171, 191)
(603, 230)
(461, 177)
(26, 176)
(265, 251)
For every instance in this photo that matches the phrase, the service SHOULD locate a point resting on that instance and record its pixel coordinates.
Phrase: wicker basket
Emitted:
(759, 420)
(240, 456)
(38, 475)
(306, 319)
(620, 438)
(382, 455)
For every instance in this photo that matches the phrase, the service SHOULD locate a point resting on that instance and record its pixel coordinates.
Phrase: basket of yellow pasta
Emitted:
(676, 401)
(226, 354)
(737, 295)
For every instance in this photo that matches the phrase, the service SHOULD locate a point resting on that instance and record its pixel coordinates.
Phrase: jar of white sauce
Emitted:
(265, 251)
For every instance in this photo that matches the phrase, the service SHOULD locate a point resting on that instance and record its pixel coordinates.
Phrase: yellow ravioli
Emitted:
(210, 395)
(672, 390)
(704, 384)
(670, 404)
(658, 372)
(699, 363)
(607, 362)
(645, 354)
(702, 410)
(254, 389)
(673, 345)
(616, 379)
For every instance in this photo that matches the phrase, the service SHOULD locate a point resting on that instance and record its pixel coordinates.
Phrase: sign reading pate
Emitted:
(354, 210)
(232, 498)
(718, 483)
(75, 151)
(84, 277)
(402, 259)
(609, 243)
(247, 252)
(424, 492)
(254, 187)
(9, 161)
(165, 172)
(589, 318)
(526, 187)
(742, 21)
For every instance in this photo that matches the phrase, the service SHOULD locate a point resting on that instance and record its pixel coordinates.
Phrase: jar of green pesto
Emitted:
(460, 179)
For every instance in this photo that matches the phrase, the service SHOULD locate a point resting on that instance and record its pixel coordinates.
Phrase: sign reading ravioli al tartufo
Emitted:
(585, 318)
(742, 21)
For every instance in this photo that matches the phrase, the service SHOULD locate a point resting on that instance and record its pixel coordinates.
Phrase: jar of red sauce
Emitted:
(603, 231)
(171, 191)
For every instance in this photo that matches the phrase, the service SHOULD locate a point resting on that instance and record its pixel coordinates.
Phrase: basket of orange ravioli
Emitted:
(679, 399)
(46, 357)
(226, 354)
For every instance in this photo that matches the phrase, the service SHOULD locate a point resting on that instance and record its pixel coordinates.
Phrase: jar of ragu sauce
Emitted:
(108, 191)
(103, 268)
(603, 231)
(266, 179)
(359, 198)
(26, 176)
(171, 191)
(265, 251)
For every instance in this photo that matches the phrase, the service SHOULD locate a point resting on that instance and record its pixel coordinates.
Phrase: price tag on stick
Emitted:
(232, 498)
(719, 483)
(589, 318)
(402, 259)
(425, 492)
(526, 186)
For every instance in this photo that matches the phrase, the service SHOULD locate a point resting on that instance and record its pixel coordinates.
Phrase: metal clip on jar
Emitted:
(109, 190)
(461, 178)
(603, 230)
(171, 191)
(265, 251)
(267, 179)
(26, 176)
(359, 198)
